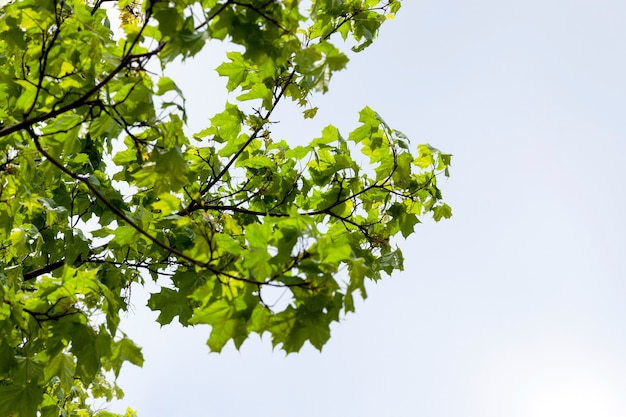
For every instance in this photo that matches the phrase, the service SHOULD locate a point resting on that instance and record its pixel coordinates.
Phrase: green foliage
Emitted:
(218, 217)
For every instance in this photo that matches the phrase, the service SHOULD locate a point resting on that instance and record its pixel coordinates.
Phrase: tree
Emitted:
(217, 217)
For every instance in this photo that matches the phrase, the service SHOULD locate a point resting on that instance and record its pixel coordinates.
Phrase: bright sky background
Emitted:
(514, 307)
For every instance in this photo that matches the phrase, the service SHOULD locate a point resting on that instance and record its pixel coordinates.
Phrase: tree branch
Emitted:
(44, 270)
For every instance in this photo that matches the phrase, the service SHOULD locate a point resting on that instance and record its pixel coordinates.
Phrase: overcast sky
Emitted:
(514, 307)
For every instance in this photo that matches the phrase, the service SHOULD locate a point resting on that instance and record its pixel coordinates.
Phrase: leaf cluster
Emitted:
(218, 218)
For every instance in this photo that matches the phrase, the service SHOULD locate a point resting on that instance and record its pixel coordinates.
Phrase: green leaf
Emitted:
(257, 162)
(227, 125)
(20, 399)
(225, 325)
(7, 358)
(333, 252)
(63, 367)
(171, 304)
(407, 224)
(126, 351)
(293, 327)
(166, 84)
(442, 211)
(166, 204)
(258, 235)
(310, 113)
(26, 97)
(167, 173)
(84, 347)
(235, 70)
(392, 261)
(258, 91)
(170, 20)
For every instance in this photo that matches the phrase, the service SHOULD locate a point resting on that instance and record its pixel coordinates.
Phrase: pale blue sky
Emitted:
(514, 307)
